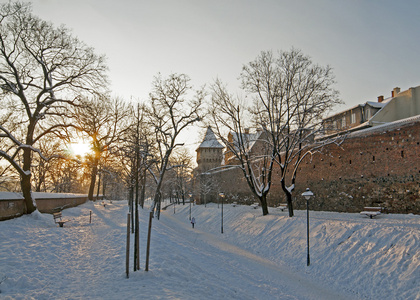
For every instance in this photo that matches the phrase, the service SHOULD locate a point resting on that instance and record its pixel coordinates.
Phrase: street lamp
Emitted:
(307, 194)
(190, 194)
(222, 195)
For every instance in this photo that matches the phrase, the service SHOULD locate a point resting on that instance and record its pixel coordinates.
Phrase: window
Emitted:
(353, 118)
(343, 122)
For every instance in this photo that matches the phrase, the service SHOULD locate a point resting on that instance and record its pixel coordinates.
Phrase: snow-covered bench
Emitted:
(255, 205)
(234, 204)
(371, 212)
(282, 206)
(58, 219)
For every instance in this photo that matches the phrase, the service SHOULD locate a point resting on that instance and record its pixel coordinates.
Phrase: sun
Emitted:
(79, 149)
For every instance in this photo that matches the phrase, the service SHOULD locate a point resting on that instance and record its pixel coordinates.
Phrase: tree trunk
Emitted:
(264, 206)
(104, 188)
(93, 178)
(131, 202)
(30, 205)
(143, 189)
(98, 188)
(288, 198)
(136, 230)
(26, 182)
(136, 237)
(159, 206)
(41, 176)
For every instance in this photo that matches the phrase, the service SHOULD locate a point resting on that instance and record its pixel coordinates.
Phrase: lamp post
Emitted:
(190, 194)
(222, 195)
(307, 194)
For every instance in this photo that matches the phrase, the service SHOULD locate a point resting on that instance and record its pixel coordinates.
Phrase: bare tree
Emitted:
(229, 115)
(291, 96)
(43, 70)
(136, 153)
(172, 109)
(41, 169)
(207, 186)
(103, 120)
(65, 176)
(181, 164)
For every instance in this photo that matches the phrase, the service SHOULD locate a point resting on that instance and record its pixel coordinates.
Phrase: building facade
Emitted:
(209, 152)
(400, 105)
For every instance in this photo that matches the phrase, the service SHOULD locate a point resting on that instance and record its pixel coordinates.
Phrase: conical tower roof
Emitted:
(210, 140)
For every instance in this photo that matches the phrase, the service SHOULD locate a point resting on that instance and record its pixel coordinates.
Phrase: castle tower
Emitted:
(209, 153)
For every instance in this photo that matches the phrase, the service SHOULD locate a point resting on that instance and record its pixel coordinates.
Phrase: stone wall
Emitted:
(375, 167)
(13, 206)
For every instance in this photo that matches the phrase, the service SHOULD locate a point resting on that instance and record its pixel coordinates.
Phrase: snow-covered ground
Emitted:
(352, 256)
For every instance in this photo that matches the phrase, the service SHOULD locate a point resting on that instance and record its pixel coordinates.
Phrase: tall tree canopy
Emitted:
(43, 69)
(290, 96)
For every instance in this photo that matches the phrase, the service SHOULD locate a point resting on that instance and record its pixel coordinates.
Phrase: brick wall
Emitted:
(379, 167)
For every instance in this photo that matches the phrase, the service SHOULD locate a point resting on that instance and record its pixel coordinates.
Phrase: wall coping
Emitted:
(8, 196)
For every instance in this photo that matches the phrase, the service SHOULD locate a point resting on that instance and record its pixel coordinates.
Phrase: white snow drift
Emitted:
(257, 257)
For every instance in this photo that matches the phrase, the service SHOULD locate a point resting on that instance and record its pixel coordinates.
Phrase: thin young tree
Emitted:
(135, 152)
(43, 70)
(172, 109)
(181, 164)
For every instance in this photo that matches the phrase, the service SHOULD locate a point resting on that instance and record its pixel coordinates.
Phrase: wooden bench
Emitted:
(58, 219)
(371, 212)
(255, 205)
(282, 206)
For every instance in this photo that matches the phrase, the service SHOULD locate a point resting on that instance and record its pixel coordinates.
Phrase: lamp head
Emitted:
(307, 194)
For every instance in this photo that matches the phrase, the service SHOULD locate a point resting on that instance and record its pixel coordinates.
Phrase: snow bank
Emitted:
(352, 256)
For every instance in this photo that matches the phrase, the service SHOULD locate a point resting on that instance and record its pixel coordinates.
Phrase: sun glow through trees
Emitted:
(79, 149)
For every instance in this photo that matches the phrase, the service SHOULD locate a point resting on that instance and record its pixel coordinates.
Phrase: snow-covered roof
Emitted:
(370, 103)
(378, 104)
(385, 126)
(367, 127)
(248, 138)
(210, 140)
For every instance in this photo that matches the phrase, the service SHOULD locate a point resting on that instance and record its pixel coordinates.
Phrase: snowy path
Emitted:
(242, 274)
(256, 258)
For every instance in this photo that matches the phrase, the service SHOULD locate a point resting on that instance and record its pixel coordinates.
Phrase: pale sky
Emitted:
(372, 45)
